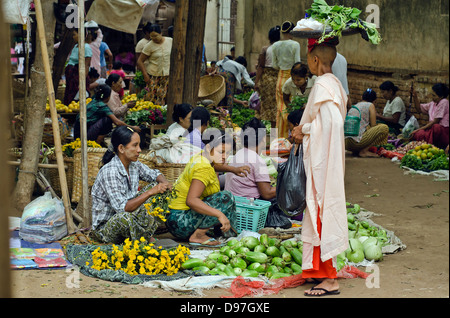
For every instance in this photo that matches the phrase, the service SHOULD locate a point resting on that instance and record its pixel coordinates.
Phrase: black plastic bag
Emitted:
(291, 183)
(276, 217)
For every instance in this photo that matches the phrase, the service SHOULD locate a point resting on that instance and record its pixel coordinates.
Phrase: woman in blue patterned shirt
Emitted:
(118, 210)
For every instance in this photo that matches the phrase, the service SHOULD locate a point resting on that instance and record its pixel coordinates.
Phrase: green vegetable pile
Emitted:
(298, 102)
(251, 257)
(339, 18)
(365, 241)
(426, 158)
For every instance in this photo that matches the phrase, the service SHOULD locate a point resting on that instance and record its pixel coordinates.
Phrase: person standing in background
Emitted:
(266, 79)
(286, 53)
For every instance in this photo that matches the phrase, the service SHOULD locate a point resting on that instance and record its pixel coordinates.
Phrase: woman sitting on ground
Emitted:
(199, 123)
(370, 134)
(200, 205)
(181, 120)
(118, 210)
(257, 183)
(99, 117)
(436, 131)
(115, 81)
(394, 113)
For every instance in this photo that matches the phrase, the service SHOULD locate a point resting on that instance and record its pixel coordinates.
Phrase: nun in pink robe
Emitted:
(324, 160)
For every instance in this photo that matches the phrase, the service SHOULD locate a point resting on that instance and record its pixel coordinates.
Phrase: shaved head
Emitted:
(326, 54)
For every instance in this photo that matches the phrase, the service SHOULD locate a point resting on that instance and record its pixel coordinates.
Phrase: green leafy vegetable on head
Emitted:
(338, 18)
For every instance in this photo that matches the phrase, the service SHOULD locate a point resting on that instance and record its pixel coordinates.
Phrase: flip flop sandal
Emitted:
(326, 292)
(205, 243)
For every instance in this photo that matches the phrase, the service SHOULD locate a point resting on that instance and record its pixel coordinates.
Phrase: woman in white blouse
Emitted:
(154, 62)
(394, 113)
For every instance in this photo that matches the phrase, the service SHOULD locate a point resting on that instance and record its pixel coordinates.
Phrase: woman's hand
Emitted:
(226, 226)
(241, 171)
(136, 128)
(160, 188)
(147, 78)
(297, 134)
(131, 104)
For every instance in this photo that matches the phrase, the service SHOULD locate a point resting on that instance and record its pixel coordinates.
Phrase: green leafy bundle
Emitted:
(298, 102)
(339, 18)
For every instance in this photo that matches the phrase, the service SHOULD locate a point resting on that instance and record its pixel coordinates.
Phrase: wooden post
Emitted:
(54, 116)
(83, 116)
(187, 52)
(177, 58)
(5, 185)
(194, 50)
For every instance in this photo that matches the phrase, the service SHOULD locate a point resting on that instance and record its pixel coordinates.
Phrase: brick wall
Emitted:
(360, 79)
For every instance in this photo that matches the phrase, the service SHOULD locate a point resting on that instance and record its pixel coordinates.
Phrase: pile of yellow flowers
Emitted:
(140, 103)
(140, 258)
(68, 149)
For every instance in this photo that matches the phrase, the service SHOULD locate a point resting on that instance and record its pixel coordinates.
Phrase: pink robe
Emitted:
(324, 159)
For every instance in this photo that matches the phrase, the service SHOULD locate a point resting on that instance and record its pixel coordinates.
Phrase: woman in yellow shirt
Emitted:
(200, 204)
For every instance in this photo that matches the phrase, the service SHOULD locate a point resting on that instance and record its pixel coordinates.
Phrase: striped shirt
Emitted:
(113, 188)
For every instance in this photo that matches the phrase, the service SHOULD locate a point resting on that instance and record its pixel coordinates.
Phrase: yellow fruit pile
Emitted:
(71, 108)
(425, 151)
(140, 104)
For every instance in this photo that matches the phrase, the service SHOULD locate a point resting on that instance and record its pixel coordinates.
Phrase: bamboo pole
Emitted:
(83, 116)
(6, 184)
(54, 116)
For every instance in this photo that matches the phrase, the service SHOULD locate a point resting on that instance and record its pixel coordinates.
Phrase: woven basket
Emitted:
(53, 175)
(170, 170)
(213, 88)
(94, 158)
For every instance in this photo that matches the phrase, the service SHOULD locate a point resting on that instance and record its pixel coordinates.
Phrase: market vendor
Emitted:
(299, 84)
(71, 71)
(257, 182)
(200, 205)
(118, 210)
(234, 72)
(394, 113)
(370, 133)
(200, 118)
(115, 81)
(181, 120)
(99, 118)
(436, 131)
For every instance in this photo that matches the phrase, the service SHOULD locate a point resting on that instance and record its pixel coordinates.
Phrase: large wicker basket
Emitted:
(94, 158)
(53, 175)
(170, 170)
(212, 87)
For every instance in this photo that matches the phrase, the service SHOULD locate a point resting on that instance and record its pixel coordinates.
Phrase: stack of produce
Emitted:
(251, 257)
(365, 241)
(426, 157)
(61, 108)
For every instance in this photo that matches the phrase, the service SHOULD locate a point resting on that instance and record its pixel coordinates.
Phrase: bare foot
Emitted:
(368, 154)
(327, 286)
(200, 237)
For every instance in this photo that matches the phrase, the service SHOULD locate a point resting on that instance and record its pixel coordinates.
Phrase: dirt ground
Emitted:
(415, 207)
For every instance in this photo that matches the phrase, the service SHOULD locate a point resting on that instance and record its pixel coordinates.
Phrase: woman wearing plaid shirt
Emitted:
(118, 210)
